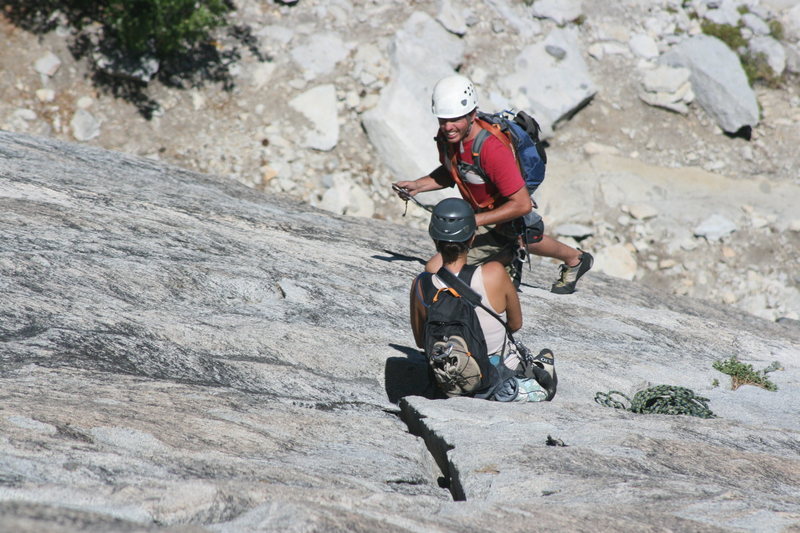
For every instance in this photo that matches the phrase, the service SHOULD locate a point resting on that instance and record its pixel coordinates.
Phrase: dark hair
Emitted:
(451, 250)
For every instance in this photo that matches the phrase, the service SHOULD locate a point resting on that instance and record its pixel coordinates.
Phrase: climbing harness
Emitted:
(406, 197)
(661, 399)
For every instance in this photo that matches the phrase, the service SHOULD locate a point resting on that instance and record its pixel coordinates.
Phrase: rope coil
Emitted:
(661, 399)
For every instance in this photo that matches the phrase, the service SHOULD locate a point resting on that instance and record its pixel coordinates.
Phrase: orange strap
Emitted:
(446, 289)
(494, 130)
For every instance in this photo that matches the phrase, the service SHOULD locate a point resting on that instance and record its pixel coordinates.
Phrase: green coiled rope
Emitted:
(661, 399)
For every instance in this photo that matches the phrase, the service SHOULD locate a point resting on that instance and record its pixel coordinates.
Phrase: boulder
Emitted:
(452, 17)
(715, 227)
(48, 64)
(791, 23)
(616, 260)
(554, 86)
(319, 53)
(319, 106)
(560, 11)
(644, 46)
(85, 126)
(401, 126)
(718, 81)
(772, 50)
(724, 12)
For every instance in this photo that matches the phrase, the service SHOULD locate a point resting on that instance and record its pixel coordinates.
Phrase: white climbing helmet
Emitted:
(453, 96)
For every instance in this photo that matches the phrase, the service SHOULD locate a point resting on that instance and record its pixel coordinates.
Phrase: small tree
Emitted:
(162, 26)
(159, 27)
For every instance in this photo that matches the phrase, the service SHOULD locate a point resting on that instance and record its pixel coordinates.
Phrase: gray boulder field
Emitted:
(181, 353)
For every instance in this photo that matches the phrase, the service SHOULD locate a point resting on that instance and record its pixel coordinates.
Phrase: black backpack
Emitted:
(454, 341)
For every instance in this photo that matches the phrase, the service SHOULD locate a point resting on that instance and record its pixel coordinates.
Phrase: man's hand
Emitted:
(401, 188)
(406, 189)
(409, 189)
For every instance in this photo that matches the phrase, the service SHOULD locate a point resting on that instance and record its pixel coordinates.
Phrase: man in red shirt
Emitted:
(499, 201)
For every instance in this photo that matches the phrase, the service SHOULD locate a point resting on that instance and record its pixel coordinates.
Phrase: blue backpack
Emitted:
(520, 131)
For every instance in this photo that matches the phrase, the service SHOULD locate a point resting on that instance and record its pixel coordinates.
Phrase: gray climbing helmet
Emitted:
(452, 220)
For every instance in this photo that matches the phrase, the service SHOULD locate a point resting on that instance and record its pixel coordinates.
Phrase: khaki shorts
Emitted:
(492, 245)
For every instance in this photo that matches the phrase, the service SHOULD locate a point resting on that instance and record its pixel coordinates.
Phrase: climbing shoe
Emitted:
(571, 274)
(540, 367)
(544, 371)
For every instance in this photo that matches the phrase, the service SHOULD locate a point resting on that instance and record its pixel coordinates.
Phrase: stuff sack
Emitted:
(454, 343)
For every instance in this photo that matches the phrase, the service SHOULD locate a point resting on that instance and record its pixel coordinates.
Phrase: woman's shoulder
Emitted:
(495, 277)
(493, 268)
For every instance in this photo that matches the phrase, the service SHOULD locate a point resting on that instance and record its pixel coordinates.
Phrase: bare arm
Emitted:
(502, 294)
(418, 315)
(438, 179)
(518, 204)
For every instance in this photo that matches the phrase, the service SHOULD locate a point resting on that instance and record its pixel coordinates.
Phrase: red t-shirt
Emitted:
(499, 164)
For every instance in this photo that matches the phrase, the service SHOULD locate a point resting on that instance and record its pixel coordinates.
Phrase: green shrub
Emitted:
(776, 29)
(757, 69)
(166, 26)
(161, 27)
(730, 35)
(755, 66)
(744, 374)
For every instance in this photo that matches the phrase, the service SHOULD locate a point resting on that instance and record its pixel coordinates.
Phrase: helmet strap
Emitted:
(471, 123)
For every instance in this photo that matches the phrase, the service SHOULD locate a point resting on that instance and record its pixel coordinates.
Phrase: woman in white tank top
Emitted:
(453, 230)
(493, 331)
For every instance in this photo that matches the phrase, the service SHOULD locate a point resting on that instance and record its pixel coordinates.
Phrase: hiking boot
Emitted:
(570, 275)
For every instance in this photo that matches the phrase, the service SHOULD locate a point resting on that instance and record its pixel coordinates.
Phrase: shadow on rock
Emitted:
(408, 376)
(395, 256)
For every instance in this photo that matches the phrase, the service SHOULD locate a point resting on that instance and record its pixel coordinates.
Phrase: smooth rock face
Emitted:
(376, 127)
(179, 352)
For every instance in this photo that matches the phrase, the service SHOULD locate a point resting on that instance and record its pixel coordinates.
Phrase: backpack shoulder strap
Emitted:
(497, 131)
(466, 273)
(447, 157)
(477, 144)
(461, 285)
